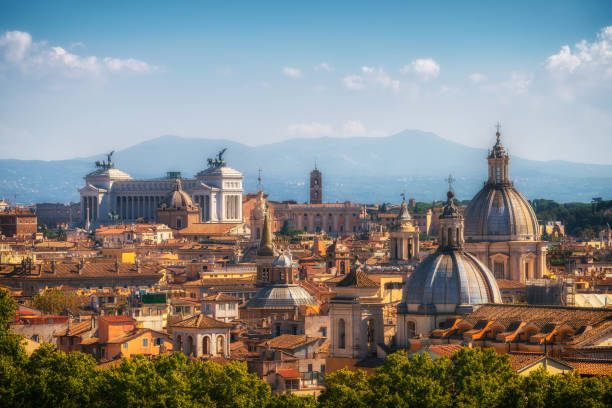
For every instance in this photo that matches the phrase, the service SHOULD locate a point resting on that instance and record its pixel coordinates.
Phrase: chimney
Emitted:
(117, 265)
(53, 266)
(79, 266)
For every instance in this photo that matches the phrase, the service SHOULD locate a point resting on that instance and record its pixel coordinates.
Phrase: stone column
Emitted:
(199, 349)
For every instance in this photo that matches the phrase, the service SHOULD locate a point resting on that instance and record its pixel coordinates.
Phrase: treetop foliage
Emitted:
(470, 378)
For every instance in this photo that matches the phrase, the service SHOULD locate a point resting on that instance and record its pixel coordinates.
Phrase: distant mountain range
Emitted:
(362, 169)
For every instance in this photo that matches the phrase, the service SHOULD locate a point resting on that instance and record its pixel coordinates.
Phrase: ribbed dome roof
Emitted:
(500, 213)
(179, 198)
(280, 297)
(451, 278)
(283, 260)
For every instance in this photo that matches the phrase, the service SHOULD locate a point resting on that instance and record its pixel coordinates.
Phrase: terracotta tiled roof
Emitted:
(94, 269)
(509, 284)
(200, 321)
(288, 373)
(358, 279)
(445, 350)
(207, 229)
(589, 366)
(521, 360)
(117, 319)
(75, 329)
(289, 341)
(122, 338)
(221, 297)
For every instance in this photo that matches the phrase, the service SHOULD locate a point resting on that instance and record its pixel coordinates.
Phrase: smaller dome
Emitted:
(455, 278)
(280, 297)
(179, 198)
(283, 260)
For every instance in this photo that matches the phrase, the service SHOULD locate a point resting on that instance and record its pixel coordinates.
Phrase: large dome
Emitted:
(454, 279)
(500, 213)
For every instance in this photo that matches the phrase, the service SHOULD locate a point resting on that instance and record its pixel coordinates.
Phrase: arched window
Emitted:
(410, 329)
(179, 223)
(341, 334)
(316, 182)
(316, 194)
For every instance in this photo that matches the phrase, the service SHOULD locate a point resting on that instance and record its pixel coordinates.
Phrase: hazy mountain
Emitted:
(356, 169)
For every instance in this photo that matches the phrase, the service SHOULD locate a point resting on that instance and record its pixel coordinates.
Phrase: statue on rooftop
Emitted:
(218, 160)
(108, 164)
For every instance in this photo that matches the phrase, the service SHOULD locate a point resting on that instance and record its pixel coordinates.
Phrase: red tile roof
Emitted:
(200, 321)
(288, 373)
(117, 319)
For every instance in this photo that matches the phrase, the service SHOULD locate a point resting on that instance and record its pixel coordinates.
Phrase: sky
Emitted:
(82, 78)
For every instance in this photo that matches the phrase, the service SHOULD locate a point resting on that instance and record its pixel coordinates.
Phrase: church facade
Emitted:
(111, 195)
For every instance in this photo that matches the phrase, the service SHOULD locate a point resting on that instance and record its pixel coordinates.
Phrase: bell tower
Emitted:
(316, 190)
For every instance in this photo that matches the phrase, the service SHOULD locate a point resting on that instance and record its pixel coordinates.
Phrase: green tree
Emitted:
(139, 382)
(228, 385)
(57, 379)
(291, 401)
(12, 355)
(55, 301)
(416, 381)
(346, 388)
(479, 376)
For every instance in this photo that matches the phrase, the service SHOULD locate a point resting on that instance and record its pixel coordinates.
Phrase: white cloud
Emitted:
(15, 45)
(353, 82)
(517, 84)
(324, 66)
(353, 128)
(311, 129)
(130, 64)
(371, 76)
(290, 72)
(18, 50)
(477, 78)
(585, 57)
(425, 68)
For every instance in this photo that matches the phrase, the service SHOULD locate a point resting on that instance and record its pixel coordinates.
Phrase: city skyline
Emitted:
(81, 80)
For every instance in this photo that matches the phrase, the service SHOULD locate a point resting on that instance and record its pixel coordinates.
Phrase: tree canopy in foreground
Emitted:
(470, 378)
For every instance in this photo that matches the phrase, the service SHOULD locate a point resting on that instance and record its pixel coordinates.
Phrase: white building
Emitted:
(112, 195)
(220, 307)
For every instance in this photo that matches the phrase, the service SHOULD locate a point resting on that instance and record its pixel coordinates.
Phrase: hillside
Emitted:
(356, 169)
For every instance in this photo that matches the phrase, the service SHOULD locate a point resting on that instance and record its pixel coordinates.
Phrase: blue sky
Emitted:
(78, 78)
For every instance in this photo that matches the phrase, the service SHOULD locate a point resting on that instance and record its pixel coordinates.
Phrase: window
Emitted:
(498, 270)
(125, 345)
(341, 334)
(324, 331)
(208, 307)
(231, 306)
(221, 306)
(158, 341)
(145, 342)
(179, 223)
(309, 368)
(410, 329)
